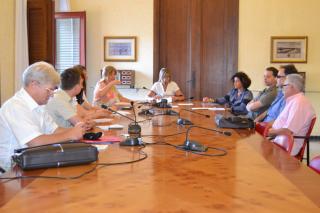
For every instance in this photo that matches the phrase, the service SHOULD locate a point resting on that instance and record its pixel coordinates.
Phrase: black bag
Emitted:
(234, 122)
(55, 155)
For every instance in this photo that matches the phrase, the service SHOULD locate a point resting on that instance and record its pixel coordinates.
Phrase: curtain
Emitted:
(21, 42)
(62, 5)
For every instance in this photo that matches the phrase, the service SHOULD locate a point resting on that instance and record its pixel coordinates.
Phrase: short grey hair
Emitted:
(42, 72)
(297, 81)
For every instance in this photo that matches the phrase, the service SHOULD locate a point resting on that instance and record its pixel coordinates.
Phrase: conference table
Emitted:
(255, 175)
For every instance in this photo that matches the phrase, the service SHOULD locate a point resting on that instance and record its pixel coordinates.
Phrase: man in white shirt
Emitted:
(24, 118)
(61, 106)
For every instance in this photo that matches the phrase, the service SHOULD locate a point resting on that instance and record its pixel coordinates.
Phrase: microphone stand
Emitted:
(134, 129)
(196, 146)
(182, 121)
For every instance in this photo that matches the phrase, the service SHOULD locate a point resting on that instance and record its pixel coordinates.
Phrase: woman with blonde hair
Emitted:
(165, 87)
(105, 91)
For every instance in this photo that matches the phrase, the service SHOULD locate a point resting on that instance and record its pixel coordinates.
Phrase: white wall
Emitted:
(118, 18)
(7, 29)
(261, 19)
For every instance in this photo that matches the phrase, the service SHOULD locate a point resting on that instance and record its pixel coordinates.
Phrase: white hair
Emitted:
(42, 72)
(297, 81)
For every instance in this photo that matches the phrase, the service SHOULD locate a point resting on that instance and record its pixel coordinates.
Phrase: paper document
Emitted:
(103, 120)
(116, 126)
(185, 104)
(123, 112)
(217, 109)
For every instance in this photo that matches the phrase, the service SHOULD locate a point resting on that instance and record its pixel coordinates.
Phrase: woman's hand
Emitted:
(115, 82)
(207, 99)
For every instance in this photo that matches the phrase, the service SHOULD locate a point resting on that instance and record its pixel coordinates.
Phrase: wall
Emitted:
(118, 18)
(7, 23)
(261, 19)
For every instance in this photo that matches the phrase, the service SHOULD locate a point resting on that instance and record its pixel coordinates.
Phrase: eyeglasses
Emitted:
(284, 85)
(281, 76)
(51, 90)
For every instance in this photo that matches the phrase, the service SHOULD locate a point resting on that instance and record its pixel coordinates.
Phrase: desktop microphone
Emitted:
(182, 121)
(163, 102)
(196, 146)
(111, 110)
(134, 129)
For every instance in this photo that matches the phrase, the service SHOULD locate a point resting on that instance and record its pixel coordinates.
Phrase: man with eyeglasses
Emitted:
(62, 107)
(25, 122)
(278, 104)
(296, 117)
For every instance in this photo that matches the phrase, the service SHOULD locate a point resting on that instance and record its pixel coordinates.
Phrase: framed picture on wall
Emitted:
(120, 48)
(289, 49)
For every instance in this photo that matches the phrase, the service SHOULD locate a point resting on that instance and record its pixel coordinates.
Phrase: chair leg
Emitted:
(308, 150)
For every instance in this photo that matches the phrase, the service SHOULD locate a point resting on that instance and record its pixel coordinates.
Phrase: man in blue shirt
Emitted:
(278, 104)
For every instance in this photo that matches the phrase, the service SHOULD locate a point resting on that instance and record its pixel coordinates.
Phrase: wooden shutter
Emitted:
(40, 33)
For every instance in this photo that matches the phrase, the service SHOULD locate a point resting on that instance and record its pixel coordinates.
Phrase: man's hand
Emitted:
(78, 131)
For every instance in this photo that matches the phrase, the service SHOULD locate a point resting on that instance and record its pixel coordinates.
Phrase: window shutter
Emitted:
(67, 43)
(70, 39)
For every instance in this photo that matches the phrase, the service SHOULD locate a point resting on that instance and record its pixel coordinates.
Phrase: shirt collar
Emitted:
(64, 95)
(29, 101)
(292, 97)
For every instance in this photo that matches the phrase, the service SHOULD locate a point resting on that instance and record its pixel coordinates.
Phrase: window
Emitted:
(69, 39)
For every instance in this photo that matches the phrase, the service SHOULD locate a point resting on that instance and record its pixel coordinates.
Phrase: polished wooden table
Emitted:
(254, 176)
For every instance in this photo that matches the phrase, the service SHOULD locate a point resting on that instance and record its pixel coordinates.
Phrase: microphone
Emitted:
(111, 110)
(182, 121)
(134, 129)
(163, 102)
(188, 110)
(196, 146)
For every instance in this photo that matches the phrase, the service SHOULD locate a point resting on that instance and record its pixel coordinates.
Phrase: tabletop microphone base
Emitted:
(130, 142)
(182, 121)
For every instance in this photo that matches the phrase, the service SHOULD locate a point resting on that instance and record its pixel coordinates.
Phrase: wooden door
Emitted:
(40, 30)
(198, 41)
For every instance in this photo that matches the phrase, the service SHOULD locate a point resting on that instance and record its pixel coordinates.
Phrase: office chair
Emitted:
(315, 164)
(263, 129)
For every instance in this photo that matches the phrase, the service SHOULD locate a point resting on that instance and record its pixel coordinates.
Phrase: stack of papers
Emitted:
(113, 126)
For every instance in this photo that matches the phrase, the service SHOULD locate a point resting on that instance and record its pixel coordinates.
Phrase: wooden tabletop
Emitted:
(254, 176)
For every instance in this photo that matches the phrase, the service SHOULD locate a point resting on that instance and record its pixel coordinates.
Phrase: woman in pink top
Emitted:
(105, 91)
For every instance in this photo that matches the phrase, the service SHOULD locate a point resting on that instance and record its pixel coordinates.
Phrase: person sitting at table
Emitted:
(61, 106)
(105, 92)
(83, 105)
(264, 99)
(279, 102)
(238, 97)
(296, 116)
(24, 119)
(165, 87)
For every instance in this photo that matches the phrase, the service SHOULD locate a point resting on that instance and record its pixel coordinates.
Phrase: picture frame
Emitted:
(120, 48)
(289, 49)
